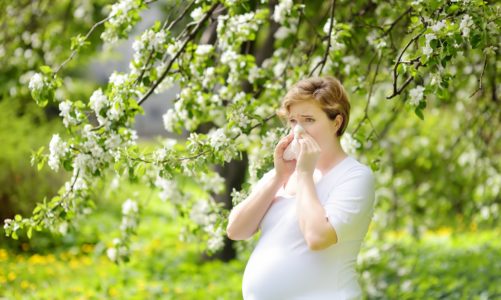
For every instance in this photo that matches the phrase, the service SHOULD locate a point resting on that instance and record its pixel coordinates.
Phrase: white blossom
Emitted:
(113, 141)
(438, 26)
(203, 50)
(282, 10)
(63, 228)
(36, 82)
(169, 119)
(112, 254)
(168, 190)
(57, 149)
(427, 50)
(98, 101)
(129, 207)
(65, 108)
(216, 240)
(77, 184)
(416, 95)
(173, 49)
(197, 14)
(465, 25)
(335, 37)
(279, 68)
(218, 138)
(199, 212)
(118, 17)
(349, 144)
(118, 79)
(230, 58)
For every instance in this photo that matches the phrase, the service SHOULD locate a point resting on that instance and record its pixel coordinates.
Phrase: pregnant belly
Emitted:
(275, 273)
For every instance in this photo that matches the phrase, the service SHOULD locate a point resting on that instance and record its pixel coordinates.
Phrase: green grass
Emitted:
(441, 265)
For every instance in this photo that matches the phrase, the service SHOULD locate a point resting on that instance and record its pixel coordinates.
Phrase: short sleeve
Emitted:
(350, 204)
(264, 179)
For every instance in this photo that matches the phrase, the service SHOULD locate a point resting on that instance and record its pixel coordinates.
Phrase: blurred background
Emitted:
(435, 234)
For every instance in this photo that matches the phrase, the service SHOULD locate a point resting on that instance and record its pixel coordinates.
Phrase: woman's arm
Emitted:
(244, 219)
(317, 231)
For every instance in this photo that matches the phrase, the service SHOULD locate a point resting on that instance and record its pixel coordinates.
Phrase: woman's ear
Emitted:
(338, 122)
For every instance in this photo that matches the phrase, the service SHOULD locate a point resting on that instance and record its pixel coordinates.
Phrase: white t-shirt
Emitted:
(283, 267)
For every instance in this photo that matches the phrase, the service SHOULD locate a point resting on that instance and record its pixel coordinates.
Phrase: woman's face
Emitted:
(314, 121)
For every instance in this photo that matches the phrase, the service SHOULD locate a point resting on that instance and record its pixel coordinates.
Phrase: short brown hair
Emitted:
(327, 91)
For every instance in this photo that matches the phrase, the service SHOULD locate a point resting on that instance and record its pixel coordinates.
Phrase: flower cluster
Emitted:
(349, 144)
(416, 95)
(124, 14)
(282, 11)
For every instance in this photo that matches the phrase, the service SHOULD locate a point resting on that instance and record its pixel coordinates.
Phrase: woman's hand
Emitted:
(283, 168)
(308, 155)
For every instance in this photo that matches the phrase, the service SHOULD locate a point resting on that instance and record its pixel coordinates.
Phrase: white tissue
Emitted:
(292, 150)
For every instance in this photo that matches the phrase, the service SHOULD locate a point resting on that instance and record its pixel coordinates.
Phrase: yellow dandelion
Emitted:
(112, 291)
(11, 276)
(87, 248)
(51, 258)
(4, 255)
(25, 284)
(74, 263)
(444, 231)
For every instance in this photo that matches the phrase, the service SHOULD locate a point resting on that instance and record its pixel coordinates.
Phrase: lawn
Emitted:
(440, 265)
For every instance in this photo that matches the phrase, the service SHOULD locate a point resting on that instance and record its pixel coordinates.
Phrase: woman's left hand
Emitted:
(308, 155)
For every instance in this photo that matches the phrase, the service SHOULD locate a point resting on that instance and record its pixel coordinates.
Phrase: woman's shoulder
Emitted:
(358, 169)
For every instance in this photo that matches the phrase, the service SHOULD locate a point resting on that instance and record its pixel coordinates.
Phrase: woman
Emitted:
(314, 211)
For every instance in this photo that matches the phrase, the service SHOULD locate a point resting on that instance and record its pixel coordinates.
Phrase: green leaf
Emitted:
(419, 113)
(18, 218)
(46, 69)
(29, 233)
(452, 9)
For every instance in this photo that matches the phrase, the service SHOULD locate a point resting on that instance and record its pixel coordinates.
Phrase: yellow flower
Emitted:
(74, 263)
(113, 291)
(11, 276)
(25, 284)
(3, 254)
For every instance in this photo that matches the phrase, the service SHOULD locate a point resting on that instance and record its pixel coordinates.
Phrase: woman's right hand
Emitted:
(283, 168)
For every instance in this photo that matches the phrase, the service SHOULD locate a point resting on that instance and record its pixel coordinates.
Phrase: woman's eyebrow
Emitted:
(304, 116)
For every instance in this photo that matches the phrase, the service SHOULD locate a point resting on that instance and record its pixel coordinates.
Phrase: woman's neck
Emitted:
(331, 157)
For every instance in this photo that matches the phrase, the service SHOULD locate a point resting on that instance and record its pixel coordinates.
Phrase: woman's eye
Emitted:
(292, 121)
(310, 120)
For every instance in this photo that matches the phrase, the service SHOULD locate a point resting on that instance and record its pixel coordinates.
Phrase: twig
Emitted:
(481, 77)
(321, 64)
(74, 52)
(397, 91)
(369, 96)
(392, 25)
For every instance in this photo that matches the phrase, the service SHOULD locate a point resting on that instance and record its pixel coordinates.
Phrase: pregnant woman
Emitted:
(313, 208)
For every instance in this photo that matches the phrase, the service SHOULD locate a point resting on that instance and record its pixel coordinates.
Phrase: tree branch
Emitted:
(326, 53)
(171, 62)
(396, 90)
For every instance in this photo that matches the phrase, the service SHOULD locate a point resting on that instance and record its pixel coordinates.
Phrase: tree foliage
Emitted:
(401, 61)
